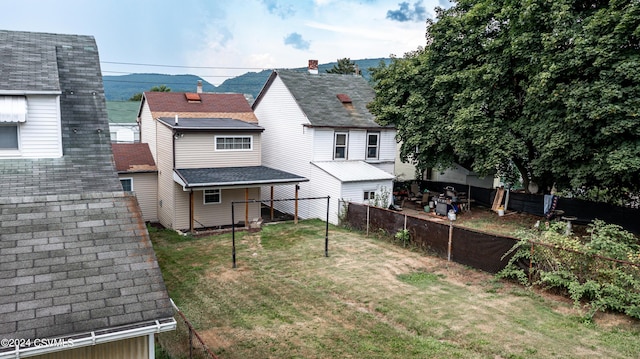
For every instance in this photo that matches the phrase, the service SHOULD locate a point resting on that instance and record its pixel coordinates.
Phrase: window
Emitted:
(373, 143)
(13, 111)
(212, 196)
(369, 196)
(8, 137)
(240, 143)
(340, 140)
(127, 184)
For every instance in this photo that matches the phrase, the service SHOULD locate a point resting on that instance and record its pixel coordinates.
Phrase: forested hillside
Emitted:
(121, 88)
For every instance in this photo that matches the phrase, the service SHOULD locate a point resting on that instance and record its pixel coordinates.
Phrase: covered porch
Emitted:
(208, 193)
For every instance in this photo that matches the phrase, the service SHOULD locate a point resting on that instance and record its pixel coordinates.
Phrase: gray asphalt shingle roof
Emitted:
(210, 124)
(75, 255)
(317, 96)
(228, 176)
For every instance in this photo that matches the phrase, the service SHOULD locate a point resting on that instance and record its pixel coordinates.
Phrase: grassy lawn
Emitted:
(368, 299)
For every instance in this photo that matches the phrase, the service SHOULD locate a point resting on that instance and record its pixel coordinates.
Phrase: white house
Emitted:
(79, 275)
(318, 126)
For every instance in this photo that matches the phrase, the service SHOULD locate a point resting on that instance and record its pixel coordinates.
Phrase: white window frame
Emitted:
(204, 196)
(377, 145)
(130, 179)
(346, 145)
(369, 195)
(216, 138)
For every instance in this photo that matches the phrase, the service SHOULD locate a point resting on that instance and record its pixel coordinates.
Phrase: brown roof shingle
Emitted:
(133, 157)
(210, 103)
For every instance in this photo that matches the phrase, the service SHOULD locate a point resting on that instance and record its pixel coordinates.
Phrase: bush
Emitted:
(601, 270)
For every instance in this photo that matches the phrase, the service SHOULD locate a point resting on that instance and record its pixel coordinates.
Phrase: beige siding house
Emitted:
(207, 149)
(138, 174)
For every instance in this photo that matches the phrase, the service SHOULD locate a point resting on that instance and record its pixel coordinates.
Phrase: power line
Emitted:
(186, 67)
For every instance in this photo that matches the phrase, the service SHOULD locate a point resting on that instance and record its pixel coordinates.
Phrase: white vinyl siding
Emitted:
(287, 143)
(40, 135)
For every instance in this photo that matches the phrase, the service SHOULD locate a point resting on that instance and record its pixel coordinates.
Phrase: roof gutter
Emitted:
(91, 338)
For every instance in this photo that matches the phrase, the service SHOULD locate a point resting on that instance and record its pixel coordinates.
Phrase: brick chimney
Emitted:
(313, 67)
(199, 87)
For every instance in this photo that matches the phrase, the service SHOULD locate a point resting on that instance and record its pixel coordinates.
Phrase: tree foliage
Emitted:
(549, 90)
(343, 66)
(161, 88)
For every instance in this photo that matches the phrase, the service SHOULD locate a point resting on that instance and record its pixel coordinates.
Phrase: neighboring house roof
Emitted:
(125, 112)
(76, 256)
(353, 171)
(218, 124)
(328, 100)
(233, 176)
(133, 157)
(210, 105)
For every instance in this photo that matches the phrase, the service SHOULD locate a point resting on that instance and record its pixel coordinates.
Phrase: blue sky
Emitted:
(221, 39)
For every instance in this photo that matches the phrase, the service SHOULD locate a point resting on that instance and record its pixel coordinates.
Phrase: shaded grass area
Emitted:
(368, 299)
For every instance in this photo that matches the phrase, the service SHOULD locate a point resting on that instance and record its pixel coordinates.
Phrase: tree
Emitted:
(161, 88)
(344, 66)
(545, 90)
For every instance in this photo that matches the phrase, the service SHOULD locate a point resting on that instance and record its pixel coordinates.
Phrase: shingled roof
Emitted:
(211, 105)
(76, 256)
(133, 157)
(322, 98)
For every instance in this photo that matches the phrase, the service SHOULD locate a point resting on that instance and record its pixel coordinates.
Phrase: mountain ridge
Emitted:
(123, 87)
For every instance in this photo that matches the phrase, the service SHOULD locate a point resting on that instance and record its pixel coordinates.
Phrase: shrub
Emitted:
(601, 270)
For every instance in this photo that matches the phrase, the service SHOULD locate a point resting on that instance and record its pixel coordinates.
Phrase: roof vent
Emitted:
(193, 97)
(344, 98)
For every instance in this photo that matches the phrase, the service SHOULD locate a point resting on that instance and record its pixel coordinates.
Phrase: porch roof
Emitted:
(249, 176)
(353, 171)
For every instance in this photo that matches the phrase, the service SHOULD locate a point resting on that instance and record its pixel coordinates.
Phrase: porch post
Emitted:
(295, 218)
(246, 207)
(272, 203)
(191, 211)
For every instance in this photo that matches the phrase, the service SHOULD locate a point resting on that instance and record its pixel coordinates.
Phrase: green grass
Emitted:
(368, 299)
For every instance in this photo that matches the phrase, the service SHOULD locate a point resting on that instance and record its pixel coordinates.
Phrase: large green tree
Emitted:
(343, 66)
(548, 90)
(161, 88)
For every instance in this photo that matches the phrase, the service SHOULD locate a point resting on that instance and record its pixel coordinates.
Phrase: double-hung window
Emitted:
(13, 112)
(369, 196)
(211, 196)
(340, 145)
(235, 143)
(373, 145)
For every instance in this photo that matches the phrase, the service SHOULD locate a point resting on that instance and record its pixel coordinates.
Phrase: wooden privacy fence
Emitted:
(465, 246)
